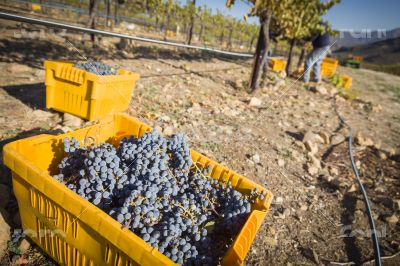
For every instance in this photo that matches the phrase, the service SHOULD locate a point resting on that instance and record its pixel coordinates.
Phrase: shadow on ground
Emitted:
(33, 52)
(295, 135)
(32, 95)
(347, 219)
(149, 52)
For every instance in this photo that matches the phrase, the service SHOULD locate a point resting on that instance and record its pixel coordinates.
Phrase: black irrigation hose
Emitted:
(365, 196)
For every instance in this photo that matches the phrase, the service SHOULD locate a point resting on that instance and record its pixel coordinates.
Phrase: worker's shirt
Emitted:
(320, 40)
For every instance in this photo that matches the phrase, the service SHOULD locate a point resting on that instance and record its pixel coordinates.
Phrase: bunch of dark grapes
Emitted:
(177, 146)
(97, 67)
(93, 172)
(151, 186)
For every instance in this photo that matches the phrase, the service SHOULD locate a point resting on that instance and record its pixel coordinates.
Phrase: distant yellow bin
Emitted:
(347, 81)
(75, 232)
(277, 64)
(36, 7)
(328, 67)
(87, 95)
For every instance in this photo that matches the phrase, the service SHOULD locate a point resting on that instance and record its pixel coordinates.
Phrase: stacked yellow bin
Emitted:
(87, 95)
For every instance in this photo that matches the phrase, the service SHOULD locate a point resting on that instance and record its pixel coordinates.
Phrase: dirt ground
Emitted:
(283, 136)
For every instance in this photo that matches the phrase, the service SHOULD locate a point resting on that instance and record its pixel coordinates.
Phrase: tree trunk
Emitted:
(157, 22)
(221, 37)
(260, 58)
(253, 84)
(264, 63)
(301, 57)
(166, 26)
(251, 43)
(190, 35)
(42, 8)
(108, 13)
(115, 12)
(92, 17)
(147, 7)
(229, 45)
(289, 60)
(201, 31)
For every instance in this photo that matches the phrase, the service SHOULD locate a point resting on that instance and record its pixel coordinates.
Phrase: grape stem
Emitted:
(185, 210)
(212, 209)
(207, 198)
(172, 174)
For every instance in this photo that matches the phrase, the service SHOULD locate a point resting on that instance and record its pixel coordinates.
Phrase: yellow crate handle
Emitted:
(70, 73)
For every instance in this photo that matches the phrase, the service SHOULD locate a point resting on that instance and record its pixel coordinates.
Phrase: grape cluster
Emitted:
(97, 67)
(151, 186)
(92, 172)
(179, 149)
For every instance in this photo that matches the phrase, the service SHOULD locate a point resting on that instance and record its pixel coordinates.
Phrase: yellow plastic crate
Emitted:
(347, 81)
(277, 64)
(328, 67)
(171, 33)
(36, 7)
(87, 95)
(75, 232)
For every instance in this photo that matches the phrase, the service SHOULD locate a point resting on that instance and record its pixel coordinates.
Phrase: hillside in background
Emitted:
(351, 39)
(381, 56)
(383, 52)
